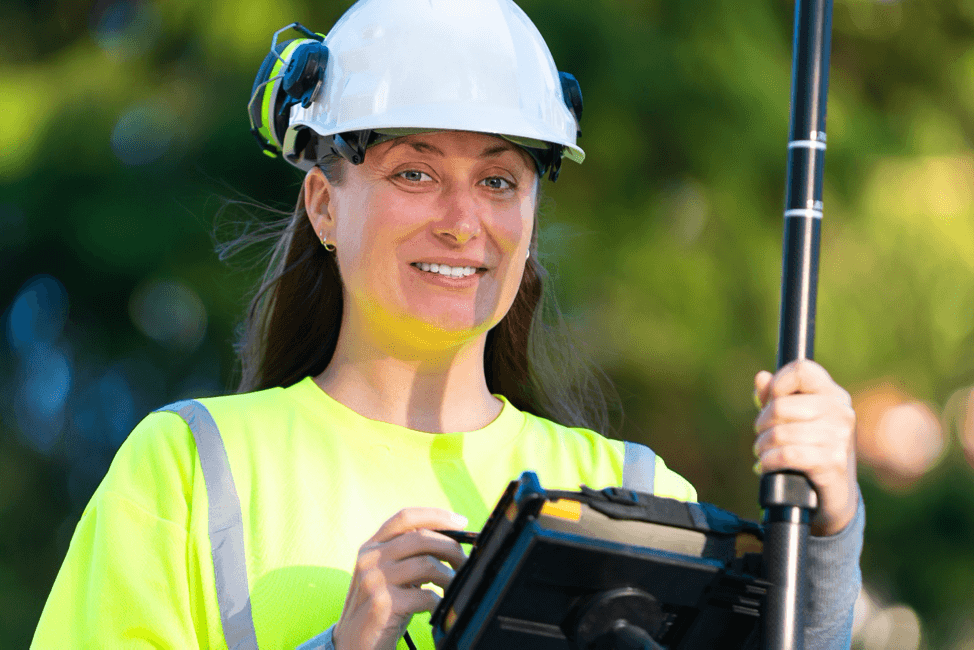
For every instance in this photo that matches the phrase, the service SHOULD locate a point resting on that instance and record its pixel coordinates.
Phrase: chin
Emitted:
(453, 317)
(459, 327)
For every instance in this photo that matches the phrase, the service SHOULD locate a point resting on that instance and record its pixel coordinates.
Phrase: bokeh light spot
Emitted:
(143, 133)
(879, 626)
(170, 313)
(688, 210)
(38, 313)
(125, 28)
(898, 436)
(42, 395)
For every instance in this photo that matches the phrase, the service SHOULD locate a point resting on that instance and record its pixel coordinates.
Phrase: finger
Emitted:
(762, 381)
(412, 600)
(409, 519)
(811, 459)
(425, 542)
(791, 457)
(803, 408)
(804, 376)
(804, 435)
(419, 570)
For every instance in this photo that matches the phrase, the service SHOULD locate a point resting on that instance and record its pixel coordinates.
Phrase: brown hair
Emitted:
(291, 327)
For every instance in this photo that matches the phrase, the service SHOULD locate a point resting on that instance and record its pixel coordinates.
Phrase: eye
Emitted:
(414, 176)
(498, 183)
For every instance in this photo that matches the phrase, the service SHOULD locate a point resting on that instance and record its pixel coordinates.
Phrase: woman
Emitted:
(394, 358)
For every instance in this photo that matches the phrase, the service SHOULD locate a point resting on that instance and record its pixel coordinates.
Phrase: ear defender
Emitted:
(305, 71)
(572, 92)
(291, 73)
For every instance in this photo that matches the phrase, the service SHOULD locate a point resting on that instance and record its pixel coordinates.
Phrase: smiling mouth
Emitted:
(448, 271)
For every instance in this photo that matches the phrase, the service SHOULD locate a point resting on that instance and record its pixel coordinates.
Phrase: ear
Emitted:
(317, 202)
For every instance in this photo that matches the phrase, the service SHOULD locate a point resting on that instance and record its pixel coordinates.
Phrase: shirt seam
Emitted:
(184, 529)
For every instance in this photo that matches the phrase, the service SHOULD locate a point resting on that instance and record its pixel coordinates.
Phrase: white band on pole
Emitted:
(806, 144)
(803, 212)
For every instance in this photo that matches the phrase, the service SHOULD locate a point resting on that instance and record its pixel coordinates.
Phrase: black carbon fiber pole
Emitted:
(788, 498)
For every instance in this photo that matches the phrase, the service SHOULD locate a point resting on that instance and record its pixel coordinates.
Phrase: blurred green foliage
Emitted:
(122, 126)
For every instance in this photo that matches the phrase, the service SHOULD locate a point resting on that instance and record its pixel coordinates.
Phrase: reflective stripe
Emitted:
(225, 526)
(639, 468)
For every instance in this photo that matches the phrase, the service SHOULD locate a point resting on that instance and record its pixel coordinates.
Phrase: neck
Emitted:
(434, 385)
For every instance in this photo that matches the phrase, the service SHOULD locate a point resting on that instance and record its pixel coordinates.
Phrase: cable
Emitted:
(409, 640)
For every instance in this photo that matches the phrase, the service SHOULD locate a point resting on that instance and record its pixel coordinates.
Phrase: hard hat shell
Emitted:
(404, 66)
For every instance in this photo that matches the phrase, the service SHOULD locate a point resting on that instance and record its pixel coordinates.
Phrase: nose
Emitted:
(461, 219)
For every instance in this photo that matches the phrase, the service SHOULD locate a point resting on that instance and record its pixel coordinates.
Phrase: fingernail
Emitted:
(757, 468)
(461, 521)
(757, 400)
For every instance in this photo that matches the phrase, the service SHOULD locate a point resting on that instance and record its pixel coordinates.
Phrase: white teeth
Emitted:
(447, 271)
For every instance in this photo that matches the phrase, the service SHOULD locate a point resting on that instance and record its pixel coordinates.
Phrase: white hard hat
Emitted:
(393, 67)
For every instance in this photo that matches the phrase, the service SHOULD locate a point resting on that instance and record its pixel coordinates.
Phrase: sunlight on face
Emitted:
(431, 234)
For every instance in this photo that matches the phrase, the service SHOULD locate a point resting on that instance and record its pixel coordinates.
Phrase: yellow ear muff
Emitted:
(290, 73)
(267, 99)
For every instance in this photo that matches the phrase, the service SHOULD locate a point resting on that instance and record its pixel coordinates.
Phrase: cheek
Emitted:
(514, 228)
(369, 229)
(516, 235)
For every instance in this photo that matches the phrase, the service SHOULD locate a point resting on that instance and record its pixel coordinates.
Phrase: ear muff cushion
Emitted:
(266, 110)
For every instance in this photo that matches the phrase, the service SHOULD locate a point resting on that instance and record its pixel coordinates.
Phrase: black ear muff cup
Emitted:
(572, 92)
(305, 70)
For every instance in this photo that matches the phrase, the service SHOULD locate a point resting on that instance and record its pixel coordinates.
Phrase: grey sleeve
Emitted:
(834, 580)
(321, 642)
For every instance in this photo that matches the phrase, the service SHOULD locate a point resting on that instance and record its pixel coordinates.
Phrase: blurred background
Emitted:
(123, 129)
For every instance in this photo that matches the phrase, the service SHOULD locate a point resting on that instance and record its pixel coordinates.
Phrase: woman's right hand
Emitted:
(391, 568)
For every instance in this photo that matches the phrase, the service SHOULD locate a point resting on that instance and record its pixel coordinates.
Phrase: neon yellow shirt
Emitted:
(315, 481)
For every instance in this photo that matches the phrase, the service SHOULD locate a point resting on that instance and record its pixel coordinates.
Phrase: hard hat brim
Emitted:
(491, 120)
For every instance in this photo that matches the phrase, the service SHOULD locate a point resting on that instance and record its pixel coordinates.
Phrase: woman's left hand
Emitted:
(807, 424)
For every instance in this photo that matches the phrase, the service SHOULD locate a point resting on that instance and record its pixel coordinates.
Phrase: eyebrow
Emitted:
(497, 150)
(418, 146)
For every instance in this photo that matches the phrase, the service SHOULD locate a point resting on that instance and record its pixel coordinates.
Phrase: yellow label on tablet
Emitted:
(563, 509)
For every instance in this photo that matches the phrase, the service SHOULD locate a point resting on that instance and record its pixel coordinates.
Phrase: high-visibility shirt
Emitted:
(314, 480)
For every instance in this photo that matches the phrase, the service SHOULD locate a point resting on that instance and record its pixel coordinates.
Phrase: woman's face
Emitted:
(431, 233)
